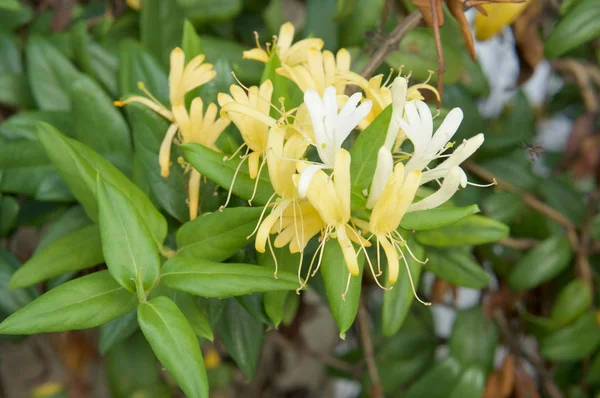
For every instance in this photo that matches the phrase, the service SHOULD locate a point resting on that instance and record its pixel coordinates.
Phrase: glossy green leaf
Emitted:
(397, 302)
(50, 75)
(470, 384)
(221, 49)
(201, 12)
(15, 90)
(320, 22)
(79, 165)
(161, 28)
(75, 251)
(541, 264)
(503, 206)
(217, 236)
(10, 60)
(198, 321)
(132, 370)
(11, 299)
(105, 65)
(173, 341)
(438, 382)
(71, 220)
(275, 302)
(572, 301)
(131, 254)
(210, 279)
(436, 218)
(242, 335)
(594, 371)
(22, 153)
(335, 275)
(117, 330)
(457, 267)
(10, 4)
(474, 339)
(364, 156)
(23, 125)
(564, 198)
(539, 326)
(190, 43)
(364, 17)
(578, 26)
(85, 302)
(211, 165)
(514, 167)
(471, 230)
(81, 42)
(9, 209)
(12, 19)
(136, 65)
(97, 122)
(149, 130)
(573, 342)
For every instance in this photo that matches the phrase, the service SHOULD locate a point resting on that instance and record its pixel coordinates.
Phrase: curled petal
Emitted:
(442, 195)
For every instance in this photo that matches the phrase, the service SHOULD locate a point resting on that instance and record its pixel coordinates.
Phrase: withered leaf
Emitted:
(530, 46)
(457, 10)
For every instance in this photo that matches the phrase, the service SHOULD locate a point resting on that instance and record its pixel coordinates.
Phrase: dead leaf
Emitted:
(425, 7)
(530, 46)
(457, 10)
(525, 386)
(492, 386)
(507, 376)
(582, 151)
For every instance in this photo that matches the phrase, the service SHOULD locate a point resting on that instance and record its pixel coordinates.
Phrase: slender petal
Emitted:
(442, 195)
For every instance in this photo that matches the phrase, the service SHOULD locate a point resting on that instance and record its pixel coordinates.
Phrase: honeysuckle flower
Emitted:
(193, 126)
(289, 54)
(330, 128)
(382, 94)
(321, 70)
(428, 147)
(249, 111)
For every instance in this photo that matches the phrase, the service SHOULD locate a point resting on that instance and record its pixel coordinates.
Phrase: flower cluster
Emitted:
(313, 198)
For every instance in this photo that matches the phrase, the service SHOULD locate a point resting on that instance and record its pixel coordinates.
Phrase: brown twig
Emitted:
(584, 270)
(367, 344)
(529, 200)
(391, 43)
(520, 243)
(438, 45)
(515, 348)
(584, 80)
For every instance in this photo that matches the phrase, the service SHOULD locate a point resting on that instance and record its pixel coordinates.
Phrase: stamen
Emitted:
(412, 284)
(378, 260)
(262, 164)
(274, 256)
(347, 287)
(262, 214)
(257, 40)
(370, 263)
(226, 158)
(431, 73)
(388, 78)
(405, 244)
(142, 87)
(325, 238)
(494, 182)
(237, 169)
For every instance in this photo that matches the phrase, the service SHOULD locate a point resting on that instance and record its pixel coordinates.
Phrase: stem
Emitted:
(139, 288)
(367, 343)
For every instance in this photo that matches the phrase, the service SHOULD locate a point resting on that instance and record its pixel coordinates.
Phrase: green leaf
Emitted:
(364, 156)
(75, 251)
(105, 65)
(320, 22)
(217, 236)
(161, 28)
(12, 19)
(471, 230)
(136, 65)
(578, 26)
(217, 49)
(541, 264)
(10, 54)
(15, 90)
(23, 125)
(335, 275)
(572, 301)
(362, 18)
(470, 384)
(594, 371)
(22, 153)
(10, 4)
(173, 341)
(503, 206)
(564, 198)
(539, 326)
(50, 75)
(438, 382)
(9, 209)
(191, 43)
(436, 218)
(514, 167)
(188, 305)
(275, 302)
(201, 12)
(149, 130)
(117, 330)
(574, 342)
(396, 302)
(211, 165)
(131, 254)
(97, 122)
(79, 165)
(83, 303)
(242, 335)
(474, 339)
(11, 299)
(282, 86)
(132, 370)
(71, 220)
(210, 279)
(458, 268)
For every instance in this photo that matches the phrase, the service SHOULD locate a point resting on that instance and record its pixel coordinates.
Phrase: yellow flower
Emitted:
(289, 54)
(321, 70)
(249, 111)
(500, 15)
(194, 126)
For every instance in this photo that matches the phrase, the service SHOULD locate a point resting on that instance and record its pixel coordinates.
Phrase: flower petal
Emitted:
(442, 195)
(383, 172)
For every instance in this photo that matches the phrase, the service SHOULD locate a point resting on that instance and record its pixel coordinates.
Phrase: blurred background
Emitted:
(527, 76)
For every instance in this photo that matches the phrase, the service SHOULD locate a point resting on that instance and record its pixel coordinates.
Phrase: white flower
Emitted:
(330, 128)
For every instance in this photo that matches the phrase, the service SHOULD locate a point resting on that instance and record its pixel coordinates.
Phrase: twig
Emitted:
(438, 45)
(391, 43)
(584, 80)
(520, 243)
(529, 200)
(367, 344)
(583, 263)
(515, 348)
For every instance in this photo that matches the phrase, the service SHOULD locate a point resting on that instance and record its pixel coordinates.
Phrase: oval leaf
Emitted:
(174, 343)
(472, 230)
(436, 218)
(117, 330)
(457, 267)
(572, 301)
(577, 27)
(210, 279)
(574, 342)
(83, 303)
(470, 384)
(541, 264)
(438, 382)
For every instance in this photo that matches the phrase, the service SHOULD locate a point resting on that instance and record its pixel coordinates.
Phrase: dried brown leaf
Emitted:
(507, 376)
(525, 386)
(425, 7)
(530, 46)
(457, 9)
(492, 386)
